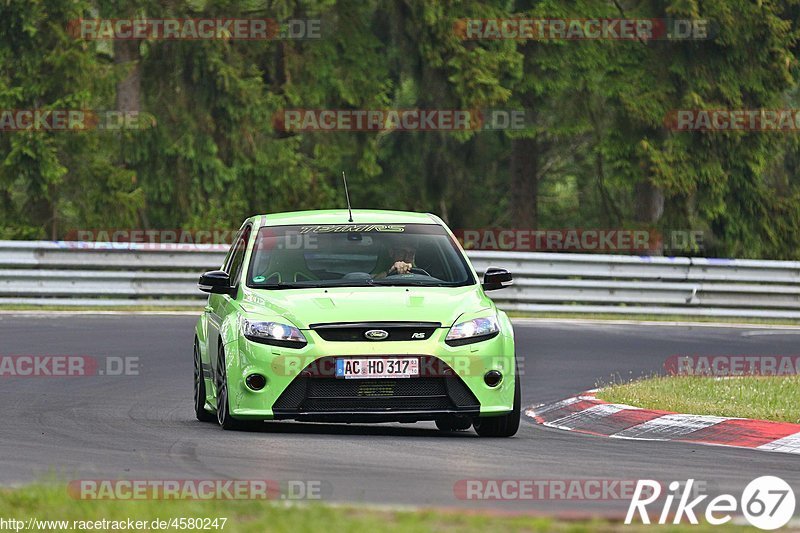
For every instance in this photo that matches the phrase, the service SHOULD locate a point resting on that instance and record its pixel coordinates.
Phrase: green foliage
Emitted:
(595, 127)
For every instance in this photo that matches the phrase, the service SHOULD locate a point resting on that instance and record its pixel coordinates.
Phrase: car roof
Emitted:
(341, 216)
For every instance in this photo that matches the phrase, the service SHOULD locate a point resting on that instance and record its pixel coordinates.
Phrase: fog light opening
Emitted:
(255, 382)
(493, 378)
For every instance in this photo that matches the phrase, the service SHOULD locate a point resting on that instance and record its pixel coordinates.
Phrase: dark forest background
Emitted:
(596, 154)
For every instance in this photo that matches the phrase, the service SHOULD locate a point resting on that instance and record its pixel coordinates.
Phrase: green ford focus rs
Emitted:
(374, 316)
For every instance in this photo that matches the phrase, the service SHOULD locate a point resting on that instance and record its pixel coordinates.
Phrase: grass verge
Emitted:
(51, 502)
(759, 397)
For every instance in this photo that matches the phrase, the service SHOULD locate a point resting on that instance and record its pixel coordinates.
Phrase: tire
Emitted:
(200, 389)
(453, 423)
(224, 418)
(504, 425)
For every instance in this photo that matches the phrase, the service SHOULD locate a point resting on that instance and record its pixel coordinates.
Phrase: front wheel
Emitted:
(200, 389)
(224, 418)
(504, 425)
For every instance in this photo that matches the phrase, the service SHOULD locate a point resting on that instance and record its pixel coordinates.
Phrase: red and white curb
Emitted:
(586, 414)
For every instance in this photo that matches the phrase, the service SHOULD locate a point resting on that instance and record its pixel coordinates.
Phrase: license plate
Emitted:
(377, 367)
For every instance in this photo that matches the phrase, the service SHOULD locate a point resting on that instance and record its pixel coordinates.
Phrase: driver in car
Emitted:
(401, 253)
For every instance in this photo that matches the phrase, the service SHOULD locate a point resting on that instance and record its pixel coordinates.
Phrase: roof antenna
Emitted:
(347, 194)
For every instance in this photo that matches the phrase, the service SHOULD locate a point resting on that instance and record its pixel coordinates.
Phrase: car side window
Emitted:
(234, 267)
(228, 256)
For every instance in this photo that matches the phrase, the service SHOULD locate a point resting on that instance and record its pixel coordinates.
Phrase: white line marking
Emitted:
(586, 416)
(788, 444)
(531, 320)
(546, 408)
(51, 314)
(762, 333)
(668, 427)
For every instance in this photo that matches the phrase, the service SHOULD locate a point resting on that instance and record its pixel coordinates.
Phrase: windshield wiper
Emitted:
(351, 283)
(415, 283)
(277, 286)
(326, 285)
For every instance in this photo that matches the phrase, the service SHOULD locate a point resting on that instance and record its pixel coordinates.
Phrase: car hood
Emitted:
(367, 304)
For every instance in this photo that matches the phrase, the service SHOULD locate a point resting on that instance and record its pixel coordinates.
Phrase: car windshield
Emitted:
(287, 257)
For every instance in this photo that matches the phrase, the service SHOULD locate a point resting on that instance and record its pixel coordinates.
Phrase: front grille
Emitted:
(361, 388)
(377, 404)
(313, 394)
(354, 331)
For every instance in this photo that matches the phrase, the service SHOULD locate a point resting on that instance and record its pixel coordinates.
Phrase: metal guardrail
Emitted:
(91, 274)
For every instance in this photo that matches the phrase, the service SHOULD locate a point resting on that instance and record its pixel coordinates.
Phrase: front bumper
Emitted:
(299, 386)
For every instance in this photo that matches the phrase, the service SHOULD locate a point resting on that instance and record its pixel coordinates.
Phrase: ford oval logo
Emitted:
(376, 334)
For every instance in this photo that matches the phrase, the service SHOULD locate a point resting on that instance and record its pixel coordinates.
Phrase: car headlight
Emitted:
(273, 333)
(475, 330)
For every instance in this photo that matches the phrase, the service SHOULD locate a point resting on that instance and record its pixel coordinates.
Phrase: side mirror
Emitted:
(215, 282)
(496, 278)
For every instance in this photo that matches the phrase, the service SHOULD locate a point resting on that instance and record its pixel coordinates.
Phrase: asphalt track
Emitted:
(142, 426)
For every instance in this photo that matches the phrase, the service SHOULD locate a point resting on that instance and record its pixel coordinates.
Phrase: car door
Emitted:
(219, 304)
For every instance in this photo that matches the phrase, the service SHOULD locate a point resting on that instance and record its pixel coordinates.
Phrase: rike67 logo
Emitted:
(768, 503)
